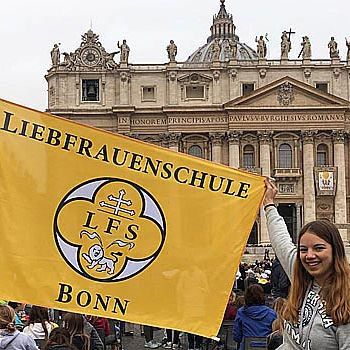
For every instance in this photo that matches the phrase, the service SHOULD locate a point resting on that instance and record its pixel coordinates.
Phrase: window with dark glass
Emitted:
(195, 91)
(322, 86)
(196, 151)
(90, 90)
(248, 156)
(247, 88)
(322, 154)
(148, 93)
(285, 156)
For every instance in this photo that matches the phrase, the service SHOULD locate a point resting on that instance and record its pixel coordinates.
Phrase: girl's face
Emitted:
(316, 256)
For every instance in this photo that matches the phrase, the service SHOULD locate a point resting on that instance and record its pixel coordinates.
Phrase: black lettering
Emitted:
(212, 182)
(132, 229)
(200, 178)
(118, 305)
(135, 161)
(243, 189)
(24, 128)
(53, 137)
(102, 152)
(84, 147)
(81, 296)
(104, 303)
(154, 168)
(176, 174)
(110, 225)
(7, 123)
(37, 133)
(115, 156)
(88, 220)
(167, 172)
(228, 188)
(68, 141)
(64, 295)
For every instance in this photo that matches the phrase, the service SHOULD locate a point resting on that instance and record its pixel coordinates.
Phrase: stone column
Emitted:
(265, 138)
(308, 178)
(216, 142)
(172, 87)
(173, 141)
(124, 88)
(233, 148)
(298, 214)
(340, 196)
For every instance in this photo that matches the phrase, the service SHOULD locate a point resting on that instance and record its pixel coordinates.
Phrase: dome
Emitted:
(222, 33)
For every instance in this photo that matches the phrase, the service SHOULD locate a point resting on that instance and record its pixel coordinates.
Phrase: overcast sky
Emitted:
(28, 30)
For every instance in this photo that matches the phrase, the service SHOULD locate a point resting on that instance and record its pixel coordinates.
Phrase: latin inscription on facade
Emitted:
(286, 118)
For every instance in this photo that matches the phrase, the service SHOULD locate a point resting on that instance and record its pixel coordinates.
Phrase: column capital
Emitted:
(338, 136)
(174, 139)
(216, 138)
(265, 136)
(234, 136)
(308, 136)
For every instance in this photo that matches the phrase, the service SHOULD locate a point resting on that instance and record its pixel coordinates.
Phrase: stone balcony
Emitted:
(251, 169)
(287, 172)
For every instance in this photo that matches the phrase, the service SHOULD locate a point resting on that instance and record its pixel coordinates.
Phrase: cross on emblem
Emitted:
(120, 201)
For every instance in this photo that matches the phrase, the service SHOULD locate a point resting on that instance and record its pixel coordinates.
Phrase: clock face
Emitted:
(90, 56)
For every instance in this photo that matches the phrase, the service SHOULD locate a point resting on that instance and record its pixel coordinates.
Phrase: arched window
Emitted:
(322, 154)
(285, 156)
(196, 151)
(248, 156)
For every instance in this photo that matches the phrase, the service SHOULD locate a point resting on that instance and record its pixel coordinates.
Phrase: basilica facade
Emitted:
(284, 118)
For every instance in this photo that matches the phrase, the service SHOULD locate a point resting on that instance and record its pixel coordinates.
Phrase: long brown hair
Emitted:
(7, 318)
(278, 305)
(40, 314)
(336, 292)
(74, 323)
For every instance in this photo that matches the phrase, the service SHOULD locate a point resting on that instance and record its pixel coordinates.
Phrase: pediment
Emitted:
(287, 93)
(195, 78)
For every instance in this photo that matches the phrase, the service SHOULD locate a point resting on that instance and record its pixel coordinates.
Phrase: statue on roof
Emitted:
(286, 45)
(306, 48)
(172, 51)
(333, 48)
(261, 47)
(55, 55)
(348, 51)
(124, 51)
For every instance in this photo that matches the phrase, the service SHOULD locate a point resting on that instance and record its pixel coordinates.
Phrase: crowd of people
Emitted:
(298, 300)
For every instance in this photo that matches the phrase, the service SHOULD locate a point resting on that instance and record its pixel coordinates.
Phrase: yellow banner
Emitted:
(97, 223)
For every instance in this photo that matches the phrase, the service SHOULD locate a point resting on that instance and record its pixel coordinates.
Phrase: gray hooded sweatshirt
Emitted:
(315, 329)
(16, 341)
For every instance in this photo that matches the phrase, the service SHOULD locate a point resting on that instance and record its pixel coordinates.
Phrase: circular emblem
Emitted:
(109, 229)
(90, 56)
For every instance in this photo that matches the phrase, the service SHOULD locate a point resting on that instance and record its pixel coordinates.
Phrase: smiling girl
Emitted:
(317, 313)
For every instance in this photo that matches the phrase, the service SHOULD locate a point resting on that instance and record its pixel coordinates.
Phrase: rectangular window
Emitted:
(148, 93)
(321, 158)
(90, 90)
(247, 88)
(194, 91)
(322, 86)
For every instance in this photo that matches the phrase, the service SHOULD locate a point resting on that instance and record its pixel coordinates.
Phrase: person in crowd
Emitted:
(19, 314)
(149, 341)
(172, 339)
(59, 340)
(101, 325)
(74, 324)
(279, 280)
(194, 341)
(39, 327)
(10, 337)
(255, 318)
(250, 279)
(317, 313)
(275, 339)
(95, 340)
(231, 310)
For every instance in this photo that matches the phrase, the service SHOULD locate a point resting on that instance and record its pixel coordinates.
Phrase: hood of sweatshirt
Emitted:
(256, 312)
(7, 337)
